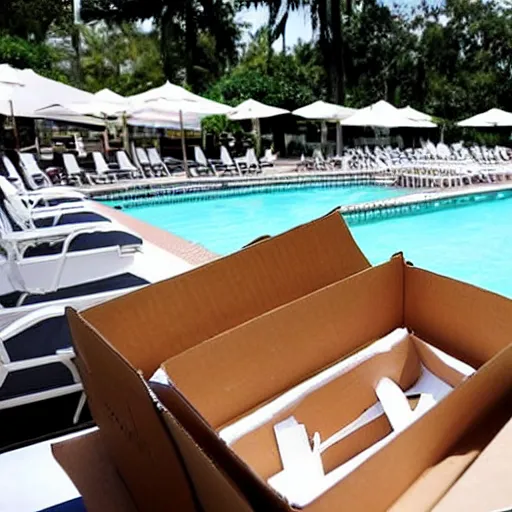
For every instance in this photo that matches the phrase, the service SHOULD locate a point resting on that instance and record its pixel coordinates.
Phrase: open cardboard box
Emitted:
(282, 310)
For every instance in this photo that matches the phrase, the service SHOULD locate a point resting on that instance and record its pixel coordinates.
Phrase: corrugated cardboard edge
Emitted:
(89, 466)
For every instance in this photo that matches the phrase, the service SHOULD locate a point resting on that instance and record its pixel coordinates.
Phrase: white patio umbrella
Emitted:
(414, 114)
(37, 92)
(323, 111)
(185, 101)
(10, 79)
(255, 110)
(384, 115)
(493, 117)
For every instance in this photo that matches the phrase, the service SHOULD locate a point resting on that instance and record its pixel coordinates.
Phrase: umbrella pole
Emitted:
(339, 139)
(126, 142)
(184, 146)
(256, 128)
(14, 126)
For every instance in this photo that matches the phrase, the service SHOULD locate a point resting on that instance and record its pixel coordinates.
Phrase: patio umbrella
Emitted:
(384, 115)
(178, 98)
(493, 117)
(255, 110)
(414, 114)
(323, 111)
(37, 92)
(9, 81)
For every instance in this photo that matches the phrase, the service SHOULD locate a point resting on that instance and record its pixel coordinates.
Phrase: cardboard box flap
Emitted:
(486, 485)
(270, 354)
(167, 318)
(135, 437)
(469, 323)
(87, 463)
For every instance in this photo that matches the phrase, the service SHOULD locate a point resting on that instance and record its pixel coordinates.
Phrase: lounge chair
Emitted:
(126, 165)
(268, 159)
(73, 171)
(253, 164)
(35, 177)
(103, 173)
(34, 338)
(14, 392)
(168, 166)
(202, 166)
(229, 165)
(22, 217)
(141, 157)
(48, 196)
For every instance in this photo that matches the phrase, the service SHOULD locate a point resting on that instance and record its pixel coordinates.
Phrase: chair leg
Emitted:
(79, 408)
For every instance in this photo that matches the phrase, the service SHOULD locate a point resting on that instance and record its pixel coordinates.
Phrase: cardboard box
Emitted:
(260, 336)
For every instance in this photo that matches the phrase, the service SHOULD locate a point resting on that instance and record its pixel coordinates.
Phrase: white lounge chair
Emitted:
(228, 163)
(73, 171)
(49, 196)
(103, 173)
(202, 165)
(141, 157)
(253, 164)
(39, 389)
(127, 166)
(35, 177)
(268, 159)
(169, 165)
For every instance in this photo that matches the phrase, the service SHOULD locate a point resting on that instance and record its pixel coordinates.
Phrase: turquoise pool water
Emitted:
(226, 224)
(472, 243)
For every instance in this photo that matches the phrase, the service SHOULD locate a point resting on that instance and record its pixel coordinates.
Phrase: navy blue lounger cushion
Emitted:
(84, 242)
(118, 282)
(71, 218)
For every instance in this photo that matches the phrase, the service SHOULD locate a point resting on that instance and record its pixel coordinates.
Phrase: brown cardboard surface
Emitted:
(164, 465)
(329, 408)
(270, 354)
(470, 323)
(87, 463)
(486, 485)
(167, 318)
(438, 479)
(382, 479)
(136, 439)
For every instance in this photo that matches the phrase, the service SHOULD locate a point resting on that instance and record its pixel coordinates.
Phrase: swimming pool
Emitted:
(226, 224)
(471, 243)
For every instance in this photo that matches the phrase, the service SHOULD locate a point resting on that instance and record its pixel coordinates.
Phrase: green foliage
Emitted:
(121, 58)
(198, 38)
(288, 81)
(24, 54)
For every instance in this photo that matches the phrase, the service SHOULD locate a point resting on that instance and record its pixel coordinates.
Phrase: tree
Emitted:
(185, 26)
(32, 19)
(290, 82)
(121, 58)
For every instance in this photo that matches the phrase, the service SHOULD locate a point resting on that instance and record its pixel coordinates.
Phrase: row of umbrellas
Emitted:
(27, 94)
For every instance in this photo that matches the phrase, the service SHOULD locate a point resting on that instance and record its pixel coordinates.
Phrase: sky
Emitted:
(298, 26)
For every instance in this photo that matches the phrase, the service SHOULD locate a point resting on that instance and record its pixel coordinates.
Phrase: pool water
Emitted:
(226, 224)
(471, 243)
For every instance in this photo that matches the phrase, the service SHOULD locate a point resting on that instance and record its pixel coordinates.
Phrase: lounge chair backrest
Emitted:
(154, 157)
(15, 206)
(124, 162)
(35, 177)
(269, 157)
(225, 157)
(251, 158)
(142, 156)
(199, 156)
(13, 175)
(71, 164)
(99, 162)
